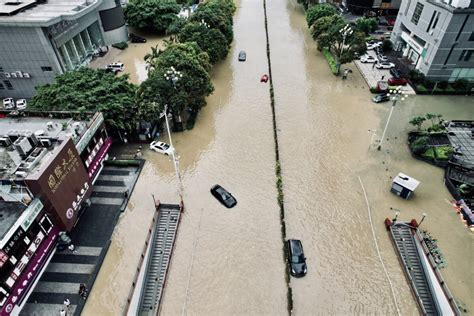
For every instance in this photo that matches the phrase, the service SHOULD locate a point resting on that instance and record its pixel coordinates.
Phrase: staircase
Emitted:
(404, 240)
(159, 257)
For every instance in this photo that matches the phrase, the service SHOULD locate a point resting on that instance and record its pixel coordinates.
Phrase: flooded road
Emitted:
(229, 262)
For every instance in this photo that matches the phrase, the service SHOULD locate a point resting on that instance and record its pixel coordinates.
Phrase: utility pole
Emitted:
(395, 96)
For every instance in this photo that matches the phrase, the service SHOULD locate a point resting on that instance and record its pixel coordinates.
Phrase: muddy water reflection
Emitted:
(324, 130)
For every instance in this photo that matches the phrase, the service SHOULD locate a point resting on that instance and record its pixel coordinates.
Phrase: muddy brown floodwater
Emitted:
(229, 262)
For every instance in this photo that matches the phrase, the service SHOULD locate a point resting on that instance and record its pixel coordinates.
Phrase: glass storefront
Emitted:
(75, 52)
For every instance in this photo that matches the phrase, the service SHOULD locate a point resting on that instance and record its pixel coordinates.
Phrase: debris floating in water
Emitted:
(435, 252)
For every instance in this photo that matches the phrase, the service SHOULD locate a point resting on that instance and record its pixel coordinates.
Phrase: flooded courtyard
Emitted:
(230, 262)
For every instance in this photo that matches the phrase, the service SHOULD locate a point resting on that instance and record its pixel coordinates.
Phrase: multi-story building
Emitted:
(47, 169)
(437, 37)
(380, 7)
(42, 38)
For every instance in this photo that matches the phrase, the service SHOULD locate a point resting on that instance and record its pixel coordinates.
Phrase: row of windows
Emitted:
(466, 55)
(417, 13)
(43, 68)
(6, 84)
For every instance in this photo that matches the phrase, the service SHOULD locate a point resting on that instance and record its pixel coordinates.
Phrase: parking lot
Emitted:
(372, 75)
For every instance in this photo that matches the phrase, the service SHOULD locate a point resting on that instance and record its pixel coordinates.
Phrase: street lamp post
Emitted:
(395, 95)
(173, 76)
(345, 31)
(422, 219)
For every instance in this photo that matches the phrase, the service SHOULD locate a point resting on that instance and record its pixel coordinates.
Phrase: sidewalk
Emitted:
(91, 237)
(372, 74)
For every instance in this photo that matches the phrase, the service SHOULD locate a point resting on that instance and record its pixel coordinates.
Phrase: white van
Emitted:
(116, 67)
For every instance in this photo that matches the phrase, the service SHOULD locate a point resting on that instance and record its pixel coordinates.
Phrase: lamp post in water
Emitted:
(173, 76)
(394, 96)
(422, 219)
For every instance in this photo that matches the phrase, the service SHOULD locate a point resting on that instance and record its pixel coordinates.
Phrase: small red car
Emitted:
(397, 81)
(264, 78)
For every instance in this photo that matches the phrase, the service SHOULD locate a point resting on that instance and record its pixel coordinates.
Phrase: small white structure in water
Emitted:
(403, 185)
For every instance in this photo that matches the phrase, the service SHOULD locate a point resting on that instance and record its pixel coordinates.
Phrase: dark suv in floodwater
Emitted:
(296, 258)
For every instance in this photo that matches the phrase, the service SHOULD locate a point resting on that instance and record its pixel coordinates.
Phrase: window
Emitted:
(2, 87)
(471, 38)
(436, 20)
(8, 84)
(417, 13)
(44, 68)
(468, 55)
(431, 21)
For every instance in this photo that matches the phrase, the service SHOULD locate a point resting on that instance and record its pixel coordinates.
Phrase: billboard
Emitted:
(63, 184)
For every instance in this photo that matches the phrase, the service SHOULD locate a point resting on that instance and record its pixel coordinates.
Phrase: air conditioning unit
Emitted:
(21, 174)
(46, 142)
(22, 146)
(5, 141)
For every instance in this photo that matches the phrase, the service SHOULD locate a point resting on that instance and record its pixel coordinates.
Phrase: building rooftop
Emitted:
(27, 142)
(9, 213)
(43, 13)
(460, 133)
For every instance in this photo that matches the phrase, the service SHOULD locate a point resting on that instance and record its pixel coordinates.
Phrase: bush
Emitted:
(461, 85)
(190, 122)
(416, 76)
(443, 84)
(387, 45)
(419, 145)
(332, 63)
(421, 88)
(121, 45)
(373, 90)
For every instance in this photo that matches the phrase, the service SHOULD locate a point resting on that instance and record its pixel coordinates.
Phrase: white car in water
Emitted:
(20, 104)
(162, 148)
(385, 65)
(368, 59)
(8, 104)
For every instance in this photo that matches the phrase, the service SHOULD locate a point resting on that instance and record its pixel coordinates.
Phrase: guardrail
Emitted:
(142, 258)
(438, 275)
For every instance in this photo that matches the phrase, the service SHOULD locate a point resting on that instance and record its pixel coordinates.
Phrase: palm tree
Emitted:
(151, 57)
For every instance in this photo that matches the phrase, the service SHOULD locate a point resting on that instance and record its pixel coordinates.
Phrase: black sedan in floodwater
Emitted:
(296, 258)
(223, 196)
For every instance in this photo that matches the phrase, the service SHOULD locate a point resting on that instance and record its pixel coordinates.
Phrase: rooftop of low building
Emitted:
(43, 12)
(27, 142)
(9, 213)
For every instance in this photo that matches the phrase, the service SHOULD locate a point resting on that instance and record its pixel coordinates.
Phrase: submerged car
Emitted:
(242, 56)
(162, 148)
(383, 97)
(8, 104)
(137, 39)
(397, 81)
(223, 196)
(368, 59)
(385, 65)
(296, 258)
(20, 104)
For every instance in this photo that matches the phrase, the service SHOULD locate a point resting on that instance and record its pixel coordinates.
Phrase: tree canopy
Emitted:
(216, 17)
(325, 24)
(91, 90)
(154, 15)
(366, 25)
(210, 40)
(189, 92)
(318, 11)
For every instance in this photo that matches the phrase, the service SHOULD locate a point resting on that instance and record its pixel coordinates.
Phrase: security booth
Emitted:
(403, 185)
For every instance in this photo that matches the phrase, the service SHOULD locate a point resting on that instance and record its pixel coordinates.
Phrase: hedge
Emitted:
(121, 45)
(330, 58)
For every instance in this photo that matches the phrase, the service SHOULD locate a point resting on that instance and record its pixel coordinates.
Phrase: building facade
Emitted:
(380, 7)
(437, 37)
(47, 169)
(40, 39)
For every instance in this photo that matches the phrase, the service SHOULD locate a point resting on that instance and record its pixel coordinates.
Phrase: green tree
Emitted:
(215, 17)
(431, 117)
(91, 90)
(154, 15)
(210, 40)
(188, 93)
(417, 121)
(366, 25)
(175, 27)
(420, 145)
(416, 76)
(318, 11)
(387, 45)
(324, 25)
